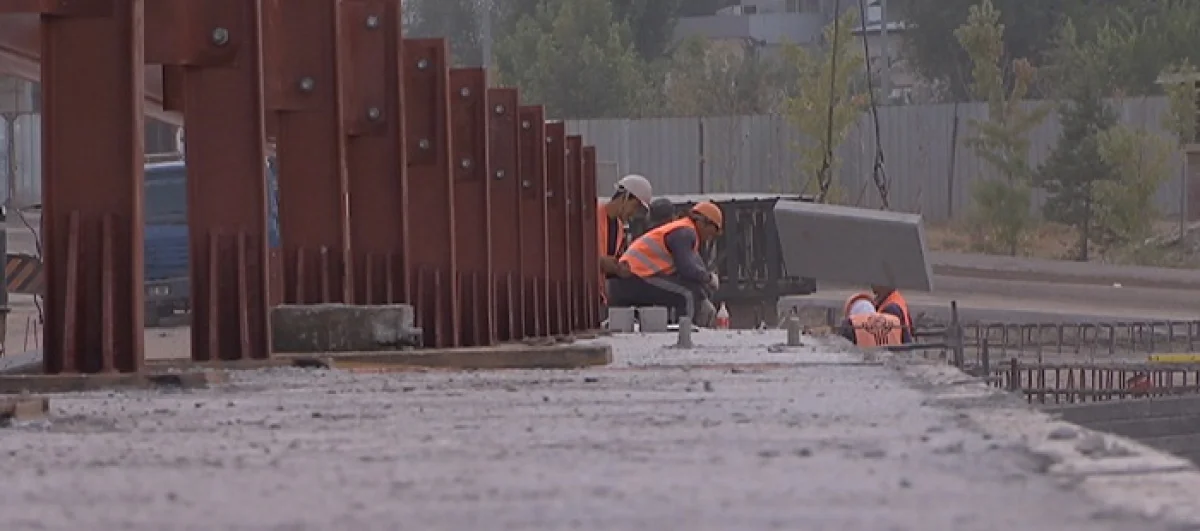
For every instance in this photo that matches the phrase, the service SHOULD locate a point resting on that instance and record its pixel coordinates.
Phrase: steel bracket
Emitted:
(535, 260)
(557, 222)
(469, 149)
(432, 253)
(60, 8)
(504, 182)
(192, 33)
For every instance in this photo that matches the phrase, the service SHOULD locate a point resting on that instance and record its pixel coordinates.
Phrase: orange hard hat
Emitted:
(860, 296)
(711, 212)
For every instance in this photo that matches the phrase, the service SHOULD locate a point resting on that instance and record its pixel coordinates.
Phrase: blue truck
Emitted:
(166, 253)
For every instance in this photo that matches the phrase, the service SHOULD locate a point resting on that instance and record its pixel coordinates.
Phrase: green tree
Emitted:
(1083, 77)
(1125, 208)
(1001, 217)
(575, 59)
(652, 23)
(456, 20)
(934, 23)
(708, 78)
(826, 79)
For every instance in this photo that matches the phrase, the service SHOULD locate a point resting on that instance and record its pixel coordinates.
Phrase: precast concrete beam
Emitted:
(837, 243)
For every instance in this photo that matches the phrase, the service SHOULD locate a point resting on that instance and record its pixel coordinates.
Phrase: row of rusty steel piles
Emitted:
(401, 179)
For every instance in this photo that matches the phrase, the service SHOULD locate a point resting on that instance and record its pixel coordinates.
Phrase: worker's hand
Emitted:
(623, 270)
(609, 265)
(714, 282)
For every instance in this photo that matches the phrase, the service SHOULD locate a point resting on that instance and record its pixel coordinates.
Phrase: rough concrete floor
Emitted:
(644, 444)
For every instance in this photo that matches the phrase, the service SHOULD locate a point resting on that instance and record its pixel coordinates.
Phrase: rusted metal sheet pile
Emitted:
(401, 179)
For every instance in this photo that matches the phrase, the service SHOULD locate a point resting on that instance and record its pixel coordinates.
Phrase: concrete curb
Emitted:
(1119, 473)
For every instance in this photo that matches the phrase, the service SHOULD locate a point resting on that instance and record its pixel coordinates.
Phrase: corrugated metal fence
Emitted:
(929, 165)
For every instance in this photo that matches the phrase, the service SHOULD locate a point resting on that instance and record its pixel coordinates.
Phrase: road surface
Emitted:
(835, 445)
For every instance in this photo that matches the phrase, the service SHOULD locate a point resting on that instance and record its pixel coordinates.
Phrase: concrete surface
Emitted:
(1169, 424)
(837, 243)
(342, 327)
(814, 438)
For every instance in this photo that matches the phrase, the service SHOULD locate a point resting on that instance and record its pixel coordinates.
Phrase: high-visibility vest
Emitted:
(611, 244)
(648, 255)
(898, 300)
(876, 329)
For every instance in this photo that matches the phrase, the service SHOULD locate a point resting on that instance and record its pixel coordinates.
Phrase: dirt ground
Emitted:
(1054, 241)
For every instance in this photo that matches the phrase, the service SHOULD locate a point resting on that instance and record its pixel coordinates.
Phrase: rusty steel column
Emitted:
(468, 119)
(591, 246)
(573, 177)
(433, 253)
(215, 49)
(92, 184)
(557, 245)
(372, 98)
(504, 182)
(301, 43)
(535, 264)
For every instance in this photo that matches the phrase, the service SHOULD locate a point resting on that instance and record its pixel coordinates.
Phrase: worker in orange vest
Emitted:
(666, 268)
(890, 301)
(866, 327)
(631, 199)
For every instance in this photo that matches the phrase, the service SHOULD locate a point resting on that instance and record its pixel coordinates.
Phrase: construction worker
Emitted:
(662, 211)
(667, 269)
(866, 327)
(889, 301)
(631, 199)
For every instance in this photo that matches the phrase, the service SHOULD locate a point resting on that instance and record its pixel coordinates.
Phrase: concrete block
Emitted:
(862, 246)
(653, 319)
(343, 328)
(621, 319)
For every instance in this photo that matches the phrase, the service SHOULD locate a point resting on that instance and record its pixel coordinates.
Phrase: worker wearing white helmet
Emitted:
(630, 199)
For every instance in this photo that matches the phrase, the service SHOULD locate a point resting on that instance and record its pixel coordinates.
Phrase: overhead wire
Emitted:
(824, 177)
(878, 171)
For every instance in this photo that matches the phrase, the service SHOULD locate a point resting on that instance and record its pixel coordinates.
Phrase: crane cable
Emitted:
(878, 173)
(824, 179)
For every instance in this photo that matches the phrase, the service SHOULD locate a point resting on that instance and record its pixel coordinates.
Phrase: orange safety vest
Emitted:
(603, 235)
(876, 329)
(648, 255)
(898, 300)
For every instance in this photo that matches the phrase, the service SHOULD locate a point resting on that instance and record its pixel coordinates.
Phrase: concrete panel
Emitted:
(1150, 408)
(844, 244)
(342, 328)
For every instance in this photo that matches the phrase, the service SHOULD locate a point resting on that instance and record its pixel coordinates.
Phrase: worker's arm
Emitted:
(894, 309)
(847, 330)
(689, 265)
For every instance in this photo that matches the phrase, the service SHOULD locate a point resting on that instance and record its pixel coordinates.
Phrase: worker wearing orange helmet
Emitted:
(631, 199)
(665, 267)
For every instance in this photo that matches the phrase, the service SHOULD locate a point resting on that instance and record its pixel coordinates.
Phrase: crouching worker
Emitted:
(665, 267)
(866, 327)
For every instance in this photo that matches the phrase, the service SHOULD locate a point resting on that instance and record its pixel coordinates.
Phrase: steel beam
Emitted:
(216, 50)
(301, 39)
(505, 222)
(557, 244)
(92, 186)
(432, 253)
(591, 246)
(573, 185)
(535, 264)
(469, 149)
(373, 100)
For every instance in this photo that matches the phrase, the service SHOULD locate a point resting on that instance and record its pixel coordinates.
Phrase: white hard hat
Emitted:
(638, 186)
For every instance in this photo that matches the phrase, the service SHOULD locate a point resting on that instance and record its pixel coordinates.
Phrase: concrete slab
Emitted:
(73, 383)
(512, 356)
(22, 409)
(836, 243)
(829, 443)
(343, 327)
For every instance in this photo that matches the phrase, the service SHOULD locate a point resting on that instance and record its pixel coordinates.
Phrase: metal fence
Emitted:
(928, 161)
